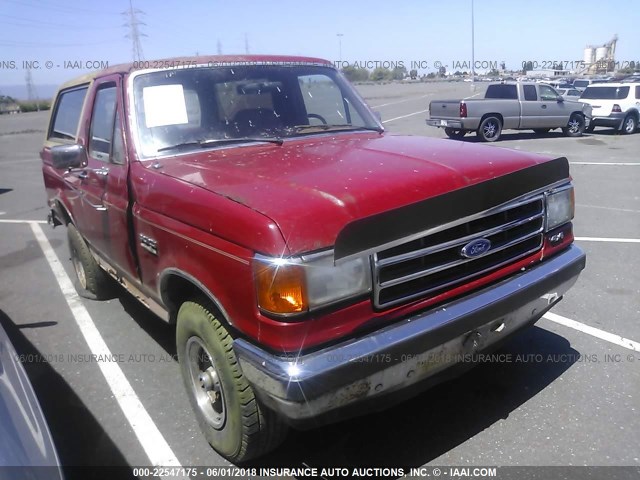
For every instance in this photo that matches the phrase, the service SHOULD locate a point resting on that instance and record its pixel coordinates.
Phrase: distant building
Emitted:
(547, 73)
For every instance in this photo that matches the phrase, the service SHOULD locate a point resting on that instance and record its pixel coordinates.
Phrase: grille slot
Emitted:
(433, 263)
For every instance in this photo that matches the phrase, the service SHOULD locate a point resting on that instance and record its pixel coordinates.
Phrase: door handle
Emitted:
(102, 171)
(99, 207)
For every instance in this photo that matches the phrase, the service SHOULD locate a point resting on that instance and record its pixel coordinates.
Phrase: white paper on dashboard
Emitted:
(164, 105)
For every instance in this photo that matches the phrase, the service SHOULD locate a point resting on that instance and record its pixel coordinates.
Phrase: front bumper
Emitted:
(408, 353)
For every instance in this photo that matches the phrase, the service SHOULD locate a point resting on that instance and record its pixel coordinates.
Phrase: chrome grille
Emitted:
(434, 262)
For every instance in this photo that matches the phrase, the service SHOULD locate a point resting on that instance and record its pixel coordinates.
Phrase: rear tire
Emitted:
(629, 124)
(575, 126)
(490, 129)
(231, 418)
(91, 281)
(454, 133)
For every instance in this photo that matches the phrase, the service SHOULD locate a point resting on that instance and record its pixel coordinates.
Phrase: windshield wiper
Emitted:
(222, 141)
(334, 128)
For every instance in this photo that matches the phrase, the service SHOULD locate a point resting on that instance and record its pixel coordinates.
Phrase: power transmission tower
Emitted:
(32, 96)
(246, 44)
(133, 24)
(219, 47)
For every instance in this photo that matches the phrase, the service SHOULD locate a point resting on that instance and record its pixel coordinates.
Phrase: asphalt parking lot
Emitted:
(572, 399)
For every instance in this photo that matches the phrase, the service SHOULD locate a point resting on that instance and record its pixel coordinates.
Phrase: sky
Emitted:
(69, 34)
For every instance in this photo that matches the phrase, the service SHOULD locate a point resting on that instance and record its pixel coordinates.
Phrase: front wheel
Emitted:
(490, 129)
(629, 125)
(454, 133)
(231, 418)
(575, 126)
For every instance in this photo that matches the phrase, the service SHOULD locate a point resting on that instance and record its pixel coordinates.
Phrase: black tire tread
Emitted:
(98, 284)
(262, 429)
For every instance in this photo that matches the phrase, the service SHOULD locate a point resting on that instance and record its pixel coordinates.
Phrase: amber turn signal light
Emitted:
(280, 287)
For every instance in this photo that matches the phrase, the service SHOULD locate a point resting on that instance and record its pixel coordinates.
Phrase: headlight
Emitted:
(300, 284)
(560, 206)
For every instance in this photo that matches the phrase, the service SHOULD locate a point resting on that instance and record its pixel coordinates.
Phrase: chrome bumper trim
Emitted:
(302, 387)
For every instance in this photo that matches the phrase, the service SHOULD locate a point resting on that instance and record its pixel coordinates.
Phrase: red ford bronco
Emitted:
(312, 263)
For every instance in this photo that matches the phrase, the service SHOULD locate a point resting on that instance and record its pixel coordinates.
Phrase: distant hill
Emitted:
(19, 92)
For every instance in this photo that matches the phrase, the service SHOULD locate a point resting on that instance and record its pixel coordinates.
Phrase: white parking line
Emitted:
(152, 441)
(618, 164)
(595, 332)
(613, 240)
(584, 205)
(405, 116)
(22, 221)
(401, 101)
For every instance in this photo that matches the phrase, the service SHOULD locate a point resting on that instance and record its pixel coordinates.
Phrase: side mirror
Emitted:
(560, 98)
(65, 157)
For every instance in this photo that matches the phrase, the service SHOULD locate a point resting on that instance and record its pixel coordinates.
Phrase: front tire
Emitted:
(629, 125)
(575, 126)
(91, 281)
(490, 129)
(231, 418)
(454, 133)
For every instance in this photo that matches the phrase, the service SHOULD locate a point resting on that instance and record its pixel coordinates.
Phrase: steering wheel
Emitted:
(318, 117)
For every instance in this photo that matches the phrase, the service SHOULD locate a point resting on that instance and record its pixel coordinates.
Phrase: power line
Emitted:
(10, 43)
(60, 8)
(134, 31)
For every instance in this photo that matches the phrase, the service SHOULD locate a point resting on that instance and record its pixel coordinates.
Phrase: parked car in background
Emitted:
(615, 105)
(569, 93)
(25, 439)
(518, 106)
(581, 83)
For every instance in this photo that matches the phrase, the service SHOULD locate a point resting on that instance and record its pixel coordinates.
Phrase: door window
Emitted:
(547, 93)
(101, 135)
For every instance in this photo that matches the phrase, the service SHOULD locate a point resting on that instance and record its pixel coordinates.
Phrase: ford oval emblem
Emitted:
(476, 248)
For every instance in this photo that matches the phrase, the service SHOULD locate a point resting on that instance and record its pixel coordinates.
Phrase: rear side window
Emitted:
(67, 114)
(605, 93)
(502, 91)
(530, 92)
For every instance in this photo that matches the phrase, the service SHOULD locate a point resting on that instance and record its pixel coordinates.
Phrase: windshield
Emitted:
(197, 107)
(605, 93)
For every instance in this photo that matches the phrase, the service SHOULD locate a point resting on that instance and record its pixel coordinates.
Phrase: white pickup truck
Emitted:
(517, 106)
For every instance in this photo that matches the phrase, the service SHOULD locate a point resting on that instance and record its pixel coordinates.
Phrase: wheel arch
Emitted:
(487, 115)
(177, 286)
(634, 112)
(63, 212)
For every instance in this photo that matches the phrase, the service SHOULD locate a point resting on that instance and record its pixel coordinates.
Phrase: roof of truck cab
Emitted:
(185, 62)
